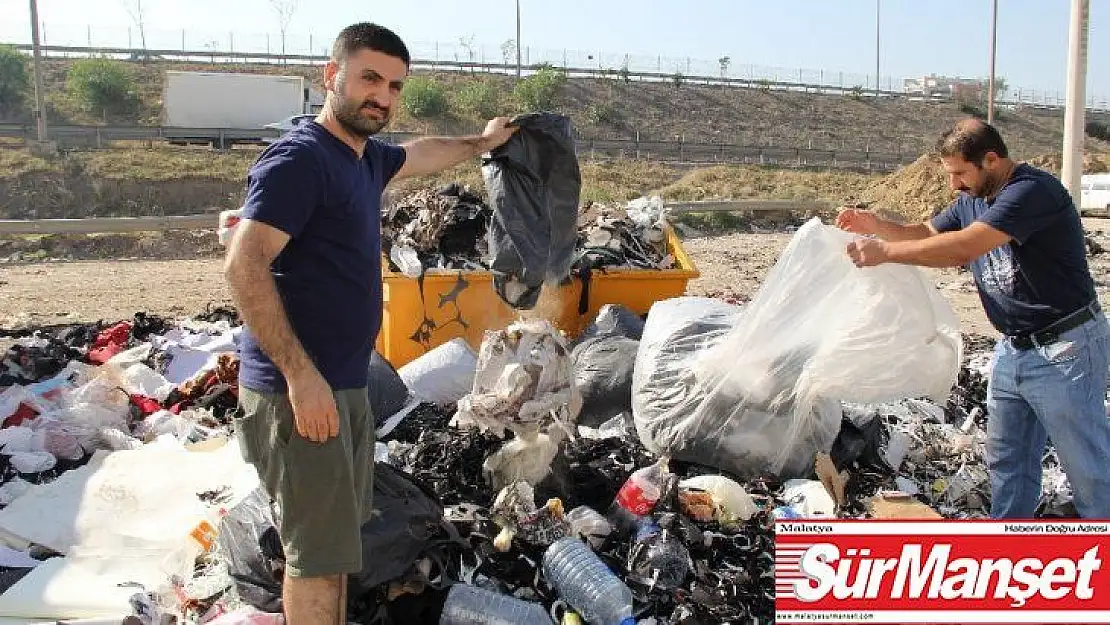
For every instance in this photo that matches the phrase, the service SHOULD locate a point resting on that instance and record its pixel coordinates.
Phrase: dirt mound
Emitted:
(914, 193)
(169, 245)
(1054, 162)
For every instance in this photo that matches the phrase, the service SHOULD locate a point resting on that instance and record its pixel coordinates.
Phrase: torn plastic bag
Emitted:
(534, 184)
(766, 395)
(524, 383)
(603, 369)
(444, 375)
(239, 541)
(387, 391)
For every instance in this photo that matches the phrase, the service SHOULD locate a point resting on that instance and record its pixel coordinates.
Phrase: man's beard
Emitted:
(348, 113)
(991, 185)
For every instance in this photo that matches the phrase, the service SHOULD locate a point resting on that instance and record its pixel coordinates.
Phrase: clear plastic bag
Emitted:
(761, 391)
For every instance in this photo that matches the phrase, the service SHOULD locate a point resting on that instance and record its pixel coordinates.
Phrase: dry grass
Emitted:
(744, 181)
(167, 163)
(18, 162)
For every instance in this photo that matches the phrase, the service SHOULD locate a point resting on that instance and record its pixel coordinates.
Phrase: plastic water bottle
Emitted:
(586, 584)
(470, 605)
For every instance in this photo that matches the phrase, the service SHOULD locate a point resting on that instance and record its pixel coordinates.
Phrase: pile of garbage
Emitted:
(448, 229)
(632, 474)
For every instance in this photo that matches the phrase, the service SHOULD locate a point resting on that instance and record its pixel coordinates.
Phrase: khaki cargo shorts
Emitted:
(323, 489)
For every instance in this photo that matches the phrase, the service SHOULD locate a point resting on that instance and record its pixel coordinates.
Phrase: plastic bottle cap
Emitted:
(629, 621)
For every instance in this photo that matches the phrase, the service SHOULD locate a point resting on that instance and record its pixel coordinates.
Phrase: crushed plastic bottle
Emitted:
(639, 494)
(657, 557)
(470, 605)
(589, 524)
(586, 584)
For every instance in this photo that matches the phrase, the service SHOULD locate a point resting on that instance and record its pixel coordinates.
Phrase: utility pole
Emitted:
(1072, 171)
(40, 109)
(518, 38)
(877, 7)
(994, 47)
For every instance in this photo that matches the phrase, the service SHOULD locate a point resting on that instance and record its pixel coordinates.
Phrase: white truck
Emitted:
(1095, 195)
(224, 108)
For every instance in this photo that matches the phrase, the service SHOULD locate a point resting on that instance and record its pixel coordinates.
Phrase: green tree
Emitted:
(538, 91)
(1000, 87)
(423, 98)
(602, 113)
(1098, 130)
(625, 73)
(14, 80)
(478, 98)
(102, 86)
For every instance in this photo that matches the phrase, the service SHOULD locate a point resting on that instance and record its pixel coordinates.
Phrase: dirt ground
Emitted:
(51, 292)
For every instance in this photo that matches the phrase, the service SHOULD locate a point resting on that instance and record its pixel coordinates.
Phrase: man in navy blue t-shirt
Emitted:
(304, 269)
(1015, 227)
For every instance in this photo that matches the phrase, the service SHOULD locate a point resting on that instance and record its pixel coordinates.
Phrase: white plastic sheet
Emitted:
(123, 518)
(764, 393)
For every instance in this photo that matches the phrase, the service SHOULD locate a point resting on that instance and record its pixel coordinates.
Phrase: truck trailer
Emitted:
(224, 108)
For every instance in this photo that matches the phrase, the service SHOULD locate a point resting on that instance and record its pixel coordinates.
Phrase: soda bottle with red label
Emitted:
(639, 494)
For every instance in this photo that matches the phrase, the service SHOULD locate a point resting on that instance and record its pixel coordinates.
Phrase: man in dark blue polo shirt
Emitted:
(1018, 231)
(304, 269)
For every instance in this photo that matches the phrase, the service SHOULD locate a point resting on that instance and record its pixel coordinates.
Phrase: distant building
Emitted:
(933, 86)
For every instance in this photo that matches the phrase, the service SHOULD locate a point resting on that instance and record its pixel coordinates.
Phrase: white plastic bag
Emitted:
(523, 383)
(444, 375)
(809, 499)
(764, 396)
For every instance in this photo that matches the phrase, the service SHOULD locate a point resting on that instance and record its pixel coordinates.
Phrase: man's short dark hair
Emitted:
(971, 139)
(368, 36)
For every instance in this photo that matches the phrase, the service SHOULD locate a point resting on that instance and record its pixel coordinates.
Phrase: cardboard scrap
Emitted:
(899, 505)
(834, 482)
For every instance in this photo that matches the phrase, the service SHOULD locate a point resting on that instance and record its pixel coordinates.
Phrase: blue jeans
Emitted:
(1057, 391)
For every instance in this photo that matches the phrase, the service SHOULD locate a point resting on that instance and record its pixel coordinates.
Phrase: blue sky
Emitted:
(949, 37)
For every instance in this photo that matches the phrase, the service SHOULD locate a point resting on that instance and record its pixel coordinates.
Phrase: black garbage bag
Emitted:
(603, 368)
(407, 523)
(534, 185)
(860, 444)
(614, 320)
(386, 390)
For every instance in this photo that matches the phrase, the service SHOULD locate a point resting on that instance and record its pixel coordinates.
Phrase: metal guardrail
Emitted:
(669, 151)
(122, 225)
(754, 206)
(107, 225)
